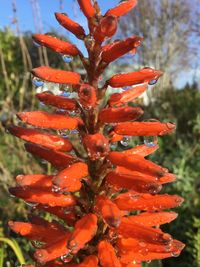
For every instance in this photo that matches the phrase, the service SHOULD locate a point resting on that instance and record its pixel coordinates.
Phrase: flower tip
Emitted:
(11, 224)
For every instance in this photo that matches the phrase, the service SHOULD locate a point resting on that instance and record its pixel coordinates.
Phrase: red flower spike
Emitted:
(147, 202)
(40, 180)
(112, 115)
(54, 250)
(69, 179)
(96, 145)
(85, 188)
(137, 163)
(47, 140)
(106, 29)
(107, 255)
(122, 9)
(150, 219)
(119, 99)
(57, 159)
(87, 96)
(44, 119)
(56, 76)
(109, 211)
(137, 182)
(59, 102)
(84, 231)
(87, 8)
(115, 50)
(142, 76)
(41, 196)
(142, 150)
(56, 44)
(70, 25)
(144, 128)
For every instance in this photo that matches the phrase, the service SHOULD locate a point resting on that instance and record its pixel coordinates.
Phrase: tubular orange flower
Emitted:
(122, 8)
(107, 28)
(56, 76)
(56, 44)
(117, 49)
(92, 189)
(110, 115)
(145, 75)
(87, 8)
(120, 99)
(47, 140)
(70, 25)
(46, 120)
(60, 102)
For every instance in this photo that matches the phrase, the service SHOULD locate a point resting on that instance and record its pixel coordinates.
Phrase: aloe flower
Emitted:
(108, 204)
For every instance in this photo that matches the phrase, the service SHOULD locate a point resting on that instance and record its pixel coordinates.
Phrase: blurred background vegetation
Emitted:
(171, 33)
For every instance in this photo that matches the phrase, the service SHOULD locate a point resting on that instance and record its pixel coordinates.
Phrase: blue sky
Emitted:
(47, 9)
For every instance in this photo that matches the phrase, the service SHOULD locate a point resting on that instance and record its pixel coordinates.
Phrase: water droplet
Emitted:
(67, 58)
(150, 141)
(64, 258)
(31, 204)
(74, 132)
(175, 253)
(125, 141)
(37, 82)
(142, 243)
(152, 82)
(56, 189)
(36, 44)
(66, 94)
(126, 88)
(149, 261)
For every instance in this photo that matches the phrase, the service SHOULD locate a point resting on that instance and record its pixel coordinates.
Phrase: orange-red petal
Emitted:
(122, 8)
(87, 8)
(54, 250)
(141, 150)
(60, 102)
(135, 181)
(84, 231)
(56, 44)
(108, 210)
(144, 128)
(117, 49)
(119, 99)
(150, 219)
(69, 178)
(107, 255)
(132, 78)
(47, 140)
(137, 163)
(87, 96)
(96, 145)
(44, 119)
(58, 159)
(43, 196)
(147, 202)
(70, 25)
(56, 76)
(106, 28)
(34, 180)
(113, 115)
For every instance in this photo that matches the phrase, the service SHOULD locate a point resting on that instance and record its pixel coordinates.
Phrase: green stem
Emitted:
(15, 247)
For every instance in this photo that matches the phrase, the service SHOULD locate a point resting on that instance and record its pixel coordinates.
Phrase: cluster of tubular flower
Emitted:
(105, 206)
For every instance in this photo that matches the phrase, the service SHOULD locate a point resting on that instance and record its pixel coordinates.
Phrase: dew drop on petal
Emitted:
(36, 44)
(152, 82)
(37, 82)
(148, 261)
(55, 189)
(67, 58)
(150, 141)
(125, 141)
(31, 204)
(175, 253)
